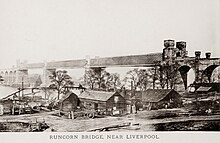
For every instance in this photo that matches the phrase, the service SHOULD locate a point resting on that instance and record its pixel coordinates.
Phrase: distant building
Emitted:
(160, 98)
(109, 102)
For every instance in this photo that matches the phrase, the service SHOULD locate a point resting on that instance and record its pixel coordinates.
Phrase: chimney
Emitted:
(181, 45)
(132, 89)
(197, 54)
(207, 55)
(169, 43)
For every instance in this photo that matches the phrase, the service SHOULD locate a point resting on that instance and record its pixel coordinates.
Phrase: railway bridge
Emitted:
(173, 54)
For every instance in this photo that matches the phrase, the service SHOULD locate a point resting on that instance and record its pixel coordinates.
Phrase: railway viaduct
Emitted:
(173, 53)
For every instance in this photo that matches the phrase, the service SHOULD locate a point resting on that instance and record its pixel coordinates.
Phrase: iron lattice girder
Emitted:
(147, 60)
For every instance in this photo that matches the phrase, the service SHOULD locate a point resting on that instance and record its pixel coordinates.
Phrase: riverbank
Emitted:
(142, 120)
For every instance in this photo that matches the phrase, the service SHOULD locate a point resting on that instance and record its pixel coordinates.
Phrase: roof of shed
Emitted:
(155, 95)
(67, 95)
(203, 89)
(96, 95)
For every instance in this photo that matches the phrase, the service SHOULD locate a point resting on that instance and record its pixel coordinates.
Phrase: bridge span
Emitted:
(146, 60)
(19, 73)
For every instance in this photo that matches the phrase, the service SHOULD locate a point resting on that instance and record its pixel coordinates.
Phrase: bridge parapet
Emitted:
(34, 66)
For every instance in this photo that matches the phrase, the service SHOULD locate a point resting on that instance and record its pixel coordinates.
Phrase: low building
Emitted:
(6, 106)
(109, 102)
(160, 98)
(133, 100)
(69, 102)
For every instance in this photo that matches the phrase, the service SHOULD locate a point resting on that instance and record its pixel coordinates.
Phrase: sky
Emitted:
(53, 30)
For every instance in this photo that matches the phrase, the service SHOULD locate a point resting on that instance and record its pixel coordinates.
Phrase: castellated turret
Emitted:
(181, 49)
(170, 52)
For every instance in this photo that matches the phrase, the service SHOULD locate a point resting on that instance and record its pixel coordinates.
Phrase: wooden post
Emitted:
(154, 78)
(13, 110)
(22, 87)
(69, 115)
(19, 110)
(19, 94)
(72, 114)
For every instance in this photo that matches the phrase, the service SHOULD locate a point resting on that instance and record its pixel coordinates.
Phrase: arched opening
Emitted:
(10, 76)
(2, 74)
(183, 72)
(6, 78)
(207, 73)
(188, 75)
(191, 77)
(14, 76)
(215, 77)
(1, 77)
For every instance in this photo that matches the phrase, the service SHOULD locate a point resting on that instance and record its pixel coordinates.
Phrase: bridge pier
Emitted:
(10, 78)
(21, 78)
(46, 81)
(6, 78)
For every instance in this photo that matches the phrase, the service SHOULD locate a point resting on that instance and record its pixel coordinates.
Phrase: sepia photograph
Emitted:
(97, 69)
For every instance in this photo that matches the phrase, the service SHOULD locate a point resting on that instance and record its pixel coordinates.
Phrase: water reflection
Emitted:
(6, 90)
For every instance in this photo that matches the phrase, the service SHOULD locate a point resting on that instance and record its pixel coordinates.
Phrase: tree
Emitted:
(90, 78)
(47, 92)
(95, 77)
(170, 74)
(112, 81)
(60, 81)
(156, 77)
(101, 79)
(98, 78)
(138, 78)
(159, 76)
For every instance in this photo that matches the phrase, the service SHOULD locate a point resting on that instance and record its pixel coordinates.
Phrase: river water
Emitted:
(6, 90)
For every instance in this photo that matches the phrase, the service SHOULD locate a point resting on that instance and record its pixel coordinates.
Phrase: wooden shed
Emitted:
(69, 102)
(133, 100)
(160, 98)
(111, 103)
